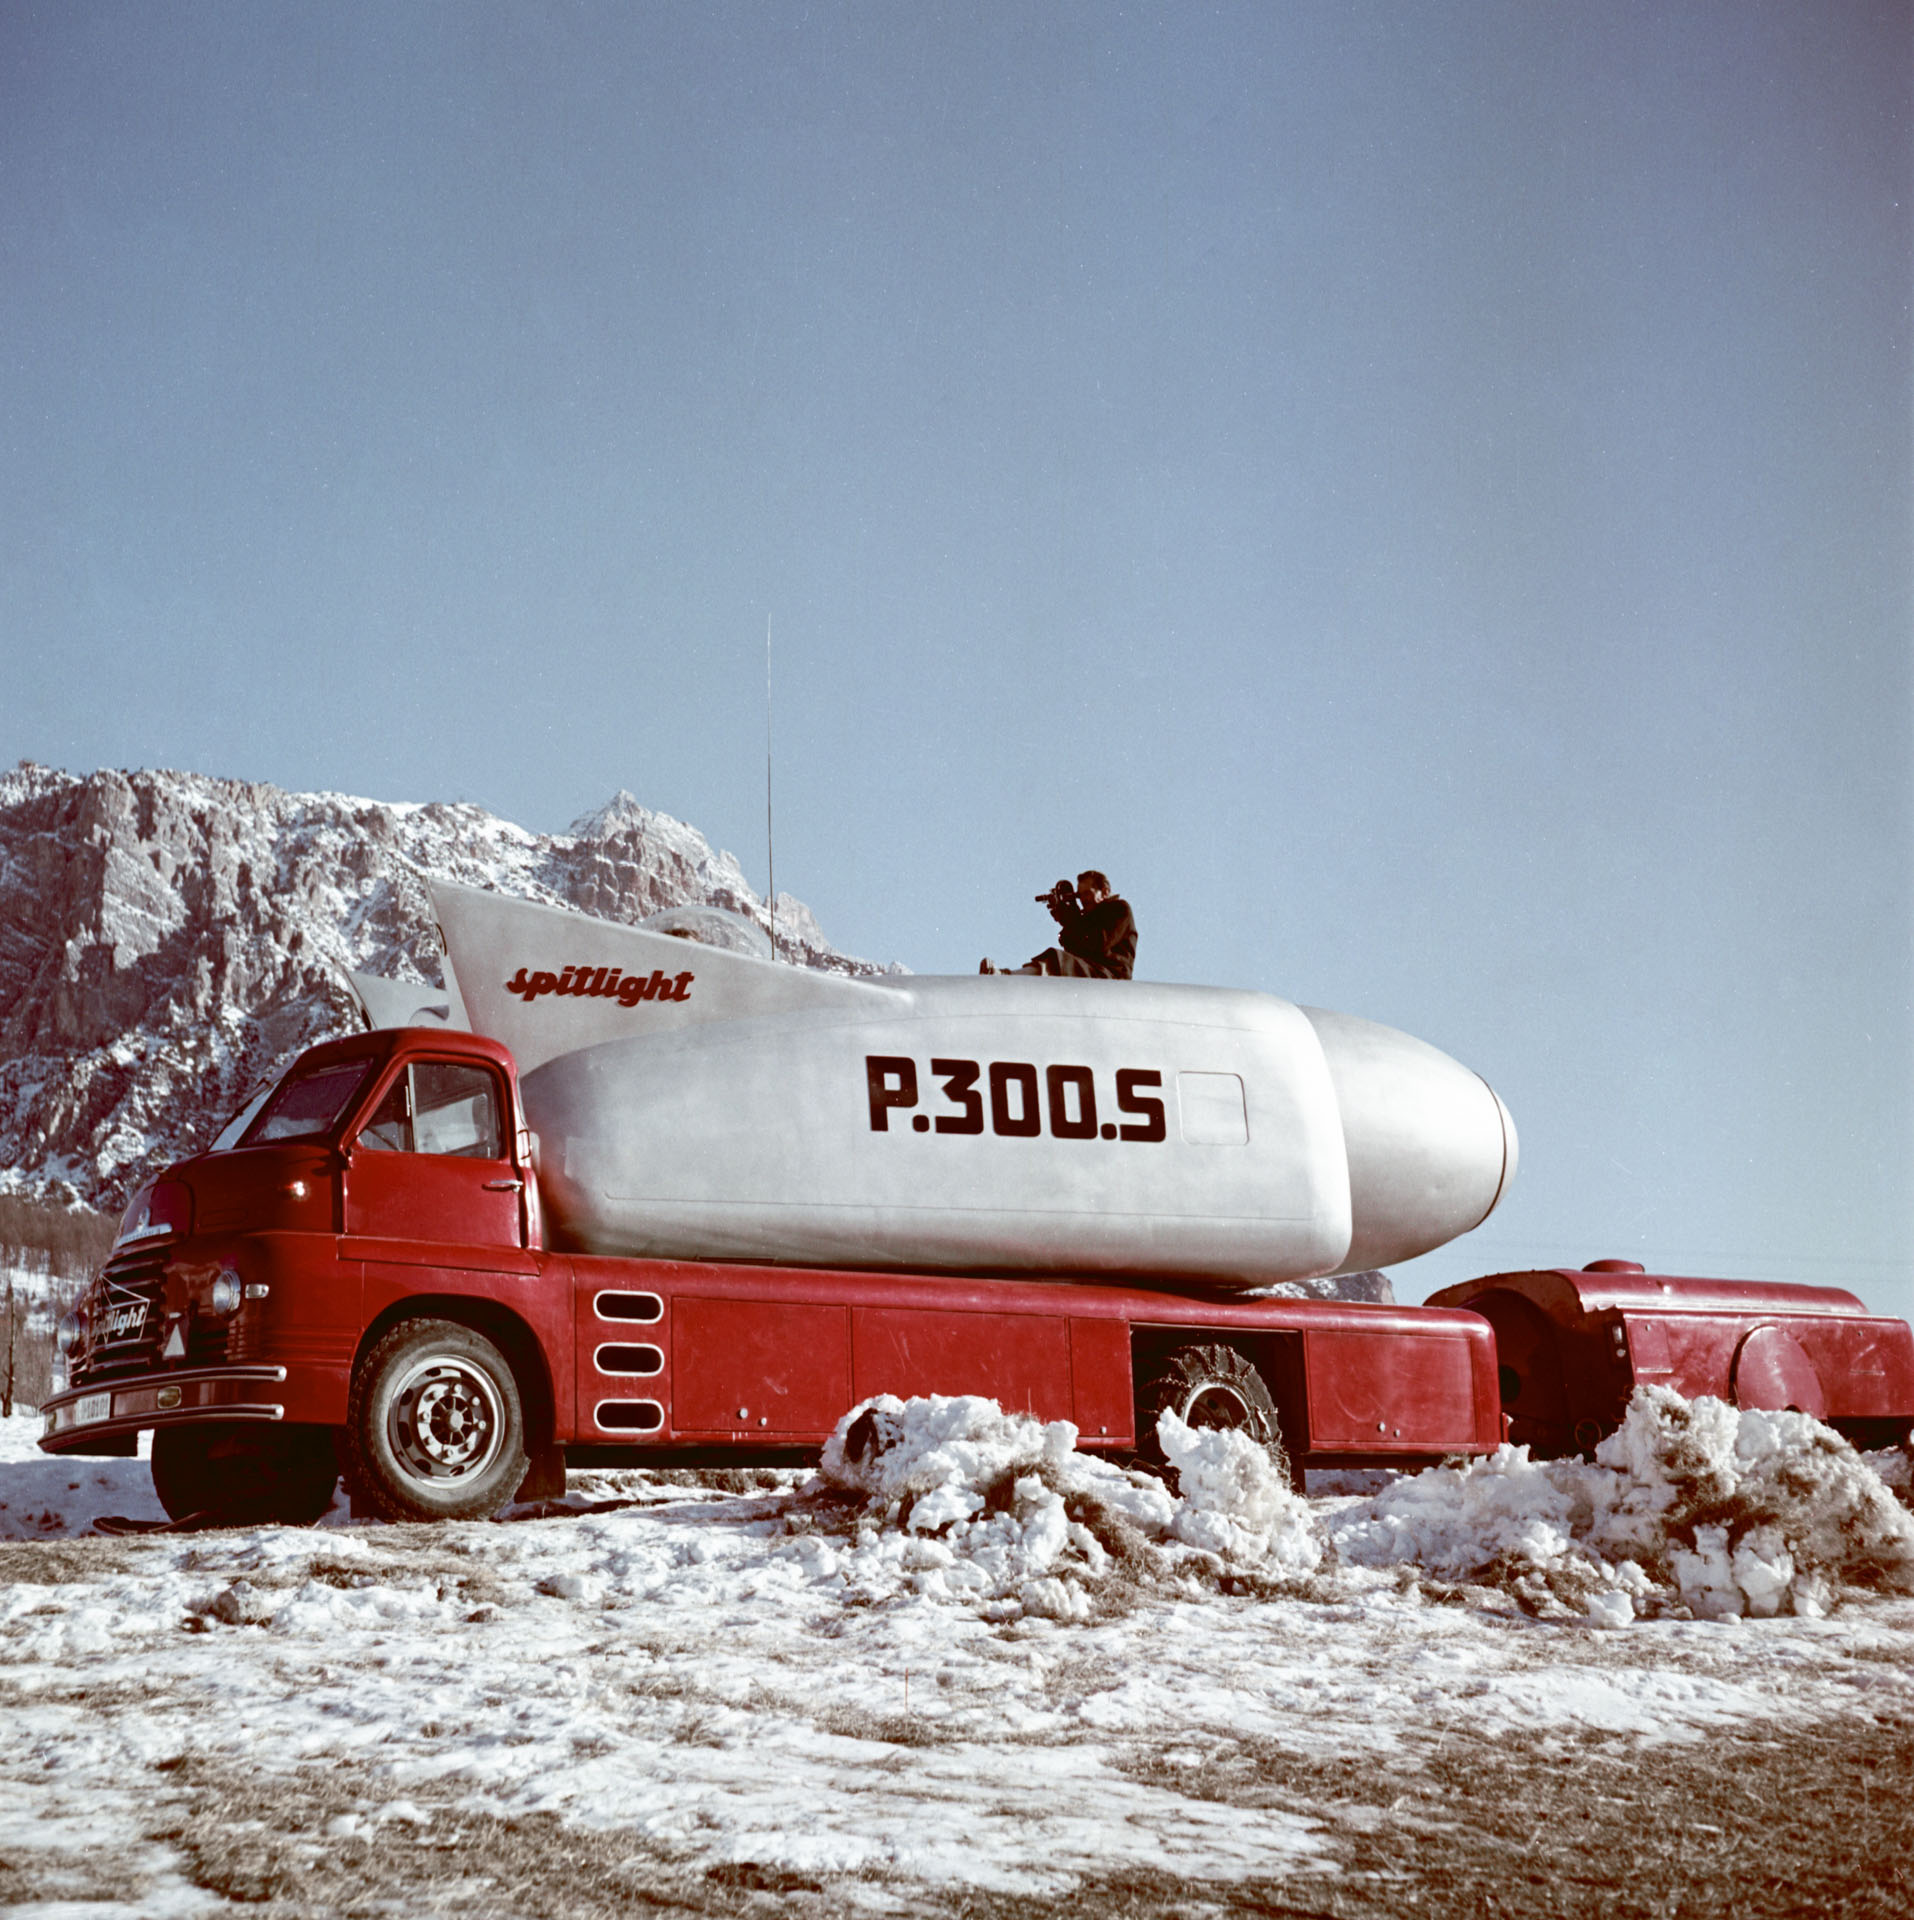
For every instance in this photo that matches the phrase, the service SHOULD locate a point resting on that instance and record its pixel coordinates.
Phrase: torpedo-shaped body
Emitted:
(698, 1103)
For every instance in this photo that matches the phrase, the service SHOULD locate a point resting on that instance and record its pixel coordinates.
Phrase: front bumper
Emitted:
(78, 1417)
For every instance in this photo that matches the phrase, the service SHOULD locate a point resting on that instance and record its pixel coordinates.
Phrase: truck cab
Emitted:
(234, 1311)
(409, 1133)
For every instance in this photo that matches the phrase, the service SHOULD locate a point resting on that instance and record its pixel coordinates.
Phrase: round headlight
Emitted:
(66, 1336)
(227, 1292)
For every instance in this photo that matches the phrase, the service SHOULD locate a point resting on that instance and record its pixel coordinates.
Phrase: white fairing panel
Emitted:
(702, 1104)
(520, 969)
(405, 1003)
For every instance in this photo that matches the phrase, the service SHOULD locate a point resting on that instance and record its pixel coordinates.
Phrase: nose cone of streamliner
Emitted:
(1431, 1147)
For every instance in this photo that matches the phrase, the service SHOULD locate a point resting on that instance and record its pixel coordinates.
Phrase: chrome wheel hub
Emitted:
(445, 1422)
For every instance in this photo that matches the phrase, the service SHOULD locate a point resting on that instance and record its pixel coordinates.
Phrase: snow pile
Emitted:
(1462, 1523)
(1755, 1513)
(964, 1501)
(1694, 1505)
(1235, 1503)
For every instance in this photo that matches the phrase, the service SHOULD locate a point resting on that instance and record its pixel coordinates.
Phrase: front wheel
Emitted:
(1210, 1387)
(435, 1429)
(246, 1474)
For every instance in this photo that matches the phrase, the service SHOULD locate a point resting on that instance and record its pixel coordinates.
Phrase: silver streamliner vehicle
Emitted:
(697, 1102)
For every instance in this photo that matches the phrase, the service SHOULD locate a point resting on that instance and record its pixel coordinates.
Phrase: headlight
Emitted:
(227, 1292)
(66, 1336)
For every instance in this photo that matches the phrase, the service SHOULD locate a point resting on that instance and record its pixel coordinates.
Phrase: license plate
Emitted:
(95, 1406)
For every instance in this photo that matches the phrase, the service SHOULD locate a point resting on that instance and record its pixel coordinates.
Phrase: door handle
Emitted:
(504, 1186)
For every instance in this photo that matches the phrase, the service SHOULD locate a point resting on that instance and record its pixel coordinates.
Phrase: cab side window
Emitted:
(438, 1106)
(455, 1110)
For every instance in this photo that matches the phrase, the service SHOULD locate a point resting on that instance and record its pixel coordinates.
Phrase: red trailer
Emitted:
(1573, 1345)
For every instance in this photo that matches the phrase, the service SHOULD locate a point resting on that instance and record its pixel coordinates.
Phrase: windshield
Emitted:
(228, 1135)
(307, 1104)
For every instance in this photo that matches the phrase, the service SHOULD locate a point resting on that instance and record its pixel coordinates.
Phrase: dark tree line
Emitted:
(67, 1244)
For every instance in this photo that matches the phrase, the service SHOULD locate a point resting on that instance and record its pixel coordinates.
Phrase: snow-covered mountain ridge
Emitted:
(168, 939)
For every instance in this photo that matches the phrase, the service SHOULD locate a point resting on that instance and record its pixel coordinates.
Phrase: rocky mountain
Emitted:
(168, 940)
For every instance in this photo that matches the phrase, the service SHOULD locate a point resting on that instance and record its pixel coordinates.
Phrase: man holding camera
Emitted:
(1098, 937)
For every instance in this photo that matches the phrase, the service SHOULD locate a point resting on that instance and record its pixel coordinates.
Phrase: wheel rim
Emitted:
(1217, 1406)
(446, 1422)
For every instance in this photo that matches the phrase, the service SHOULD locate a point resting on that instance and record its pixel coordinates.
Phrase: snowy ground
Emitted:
(977, 1674)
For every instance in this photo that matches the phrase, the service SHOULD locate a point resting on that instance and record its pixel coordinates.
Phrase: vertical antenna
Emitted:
(770, 847)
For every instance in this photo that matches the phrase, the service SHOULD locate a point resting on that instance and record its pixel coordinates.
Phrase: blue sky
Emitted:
(1419, 493)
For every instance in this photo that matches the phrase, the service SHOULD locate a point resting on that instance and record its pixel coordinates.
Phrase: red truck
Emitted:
(330, 1293)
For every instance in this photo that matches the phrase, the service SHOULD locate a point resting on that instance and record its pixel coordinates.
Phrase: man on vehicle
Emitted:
(1097, 940)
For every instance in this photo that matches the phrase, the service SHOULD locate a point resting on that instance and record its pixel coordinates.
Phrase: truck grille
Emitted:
(127, 1324)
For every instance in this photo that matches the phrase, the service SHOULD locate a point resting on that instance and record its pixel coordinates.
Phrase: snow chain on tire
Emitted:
(1210, 1387)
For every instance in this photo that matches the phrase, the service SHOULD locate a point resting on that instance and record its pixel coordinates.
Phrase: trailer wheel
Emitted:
(245, 1475)
(435, 1429)
(1212, 1387)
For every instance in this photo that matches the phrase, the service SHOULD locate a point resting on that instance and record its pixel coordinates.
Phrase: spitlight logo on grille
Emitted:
(601, 983)
(125, 1319)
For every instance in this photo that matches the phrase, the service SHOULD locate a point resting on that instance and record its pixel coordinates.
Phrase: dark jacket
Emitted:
(1102, 941)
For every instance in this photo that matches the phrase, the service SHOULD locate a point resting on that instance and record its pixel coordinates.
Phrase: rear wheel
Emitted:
(245, 1474)
(436, 1428)
(1213, 1387)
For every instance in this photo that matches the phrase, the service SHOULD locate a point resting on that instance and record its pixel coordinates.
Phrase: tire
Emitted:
(245, 1474)
(1213, 1387)
(435, 1427)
